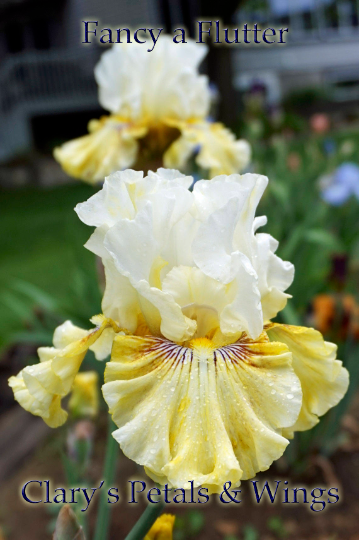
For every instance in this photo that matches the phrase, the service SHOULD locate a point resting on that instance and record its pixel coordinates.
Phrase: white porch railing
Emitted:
(327, 21)
(38, 83)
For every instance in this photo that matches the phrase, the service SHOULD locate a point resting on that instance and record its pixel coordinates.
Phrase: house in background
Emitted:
(48, 92)
(322, 49)
(46, 74)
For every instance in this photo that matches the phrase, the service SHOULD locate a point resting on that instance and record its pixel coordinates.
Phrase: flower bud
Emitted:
(67, 526)
(162, 528)
(84, 399)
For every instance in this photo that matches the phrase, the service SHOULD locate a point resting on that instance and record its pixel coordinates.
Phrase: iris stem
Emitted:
(145, 522)
(104, 509)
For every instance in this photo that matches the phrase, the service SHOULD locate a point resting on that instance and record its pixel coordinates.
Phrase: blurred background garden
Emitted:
(298, 106)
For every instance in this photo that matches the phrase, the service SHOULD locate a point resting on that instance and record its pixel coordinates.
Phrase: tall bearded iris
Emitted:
(201, 384)
(158, 104)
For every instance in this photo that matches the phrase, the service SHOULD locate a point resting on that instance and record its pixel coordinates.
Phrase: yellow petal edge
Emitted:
(39, 388)
(323, 378)
(218, 149)
(111, 145)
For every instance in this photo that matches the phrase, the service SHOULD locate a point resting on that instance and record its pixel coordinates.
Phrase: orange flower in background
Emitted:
(338, 313)
(324, 312)
(352, 308)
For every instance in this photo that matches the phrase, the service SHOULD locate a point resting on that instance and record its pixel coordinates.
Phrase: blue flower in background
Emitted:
(329, 146)
(343, 184)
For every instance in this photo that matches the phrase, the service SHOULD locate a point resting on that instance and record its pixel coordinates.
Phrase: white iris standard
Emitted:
(188, 262)
(158, 104)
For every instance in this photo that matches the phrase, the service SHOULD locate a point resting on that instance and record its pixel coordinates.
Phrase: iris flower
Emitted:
(202, 384)
(159, 105)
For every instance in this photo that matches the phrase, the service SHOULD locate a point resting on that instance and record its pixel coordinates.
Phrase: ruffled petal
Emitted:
(275, 275)
(135, 247)
(39, 388)
(213, 250)
(120, 300)
(324, 380)
(111, 145)
(246, 190)
(215, 255)
(65, 334)
(200, 297)
(245, 312)
(124, 193)
(103, 345)
(112, 202)
(226, 242)
(189, 286)
(167, 176)
(198, 412)
(218, 149)
(164, 82)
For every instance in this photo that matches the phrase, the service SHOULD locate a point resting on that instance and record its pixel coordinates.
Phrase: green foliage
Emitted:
(306, 97)
(46, 275)
(250, 533)
(195, 522)
(189, 525)
(309, 231)
(276, 525)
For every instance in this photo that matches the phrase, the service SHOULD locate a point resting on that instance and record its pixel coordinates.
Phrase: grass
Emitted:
(41, 245)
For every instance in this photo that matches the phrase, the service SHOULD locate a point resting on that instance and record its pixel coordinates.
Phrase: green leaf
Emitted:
(16, 305)
(276, 525)
(70, 470)
(280, 191)
(250, 533)
(43, 337)
(37, 295)
(289, 315)
(290, 246)
(324, 239)
(195, 521)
